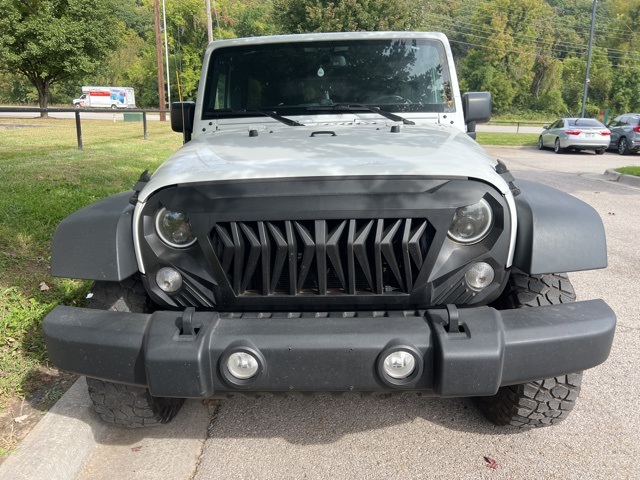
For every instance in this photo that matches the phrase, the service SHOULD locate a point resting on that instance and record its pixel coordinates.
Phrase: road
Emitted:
(415, 437)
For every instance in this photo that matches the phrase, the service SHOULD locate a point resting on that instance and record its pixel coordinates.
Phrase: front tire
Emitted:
(541, 402)
(540, 143)
(116, 403)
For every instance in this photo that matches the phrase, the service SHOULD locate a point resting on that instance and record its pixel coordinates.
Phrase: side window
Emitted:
(557, 124)
(623, 121)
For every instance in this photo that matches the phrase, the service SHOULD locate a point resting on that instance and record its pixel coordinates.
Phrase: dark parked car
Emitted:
(625, 133)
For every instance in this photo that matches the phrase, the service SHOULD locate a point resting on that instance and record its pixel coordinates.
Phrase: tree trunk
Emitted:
(43, 96)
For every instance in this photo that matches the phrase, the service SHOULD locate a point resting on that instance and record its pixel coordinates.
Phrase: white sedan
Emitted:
(576, 134)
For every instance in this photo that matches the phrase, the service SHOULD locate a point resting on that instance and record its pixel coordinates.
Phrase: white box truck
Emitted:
(106, 97)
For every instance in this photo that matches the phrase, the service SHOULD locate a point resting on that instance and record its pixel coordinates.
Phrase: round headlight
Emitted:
(174, 228)
(472, 223)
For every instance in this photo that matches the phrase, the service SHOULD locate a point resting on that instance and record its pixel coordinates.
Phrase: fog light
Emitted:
(399, 364)
(242, 365)
(169, 279)
(479, 276)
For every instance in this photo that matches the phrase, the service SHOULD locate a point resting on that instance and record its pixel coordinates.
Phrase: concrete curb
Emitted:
(61, 443)
(615, 176)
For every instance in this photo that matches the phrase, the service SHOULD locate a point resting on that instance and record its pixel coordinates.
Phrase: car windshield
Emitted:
(585, 122)
(401, 75)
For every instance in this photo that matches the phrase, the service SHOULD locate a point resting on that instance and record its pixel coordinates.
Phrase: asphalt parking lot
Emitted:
(391, 437)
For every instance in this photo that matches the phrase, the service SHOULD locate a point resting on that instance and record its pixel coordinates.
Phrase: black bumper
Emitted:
(178, 354)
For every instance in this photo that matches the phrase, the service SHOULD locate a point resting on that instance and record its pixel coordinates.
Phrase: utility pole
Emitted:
(161, 99)
(586, 79)
(166, 51)
(209, 25)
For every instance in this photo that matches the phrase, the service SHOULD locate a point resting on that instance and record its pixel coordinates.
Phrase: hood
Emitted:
(328, 150)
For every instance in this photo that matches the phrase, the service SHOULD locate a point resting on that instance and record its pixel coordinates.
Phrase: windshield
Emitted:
(394, 74)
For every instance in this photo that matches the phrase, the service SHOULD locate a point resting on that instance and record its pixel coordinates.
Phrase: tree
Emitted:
(302, 16)
(48, 41)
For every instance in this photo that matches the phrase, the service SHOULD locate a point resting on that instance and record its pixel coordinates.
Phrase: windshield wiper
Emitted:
(368, 108)
(266, 113)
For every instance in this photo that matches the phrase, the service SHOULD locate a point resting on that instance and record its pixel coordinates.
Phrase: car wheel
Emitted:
(600, 151)
(623, 146)
(540, 143)
(556, 146)
(116, 403)
(540, 402)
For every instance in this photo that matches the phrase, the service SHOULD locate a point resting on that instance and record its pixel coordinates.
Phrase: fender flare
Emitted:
(96, 242)
(556, 232)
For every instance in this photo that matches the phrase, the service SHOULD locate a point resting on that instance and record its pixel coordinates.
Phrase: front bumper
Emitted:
(466, 352)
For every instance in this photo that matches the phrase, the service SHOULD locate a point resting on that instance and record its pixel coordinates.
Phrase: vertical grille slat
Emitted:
(377, 248)
(281, 248)
(333, 252)
(251, 262)
(322, 257)
(360, 249)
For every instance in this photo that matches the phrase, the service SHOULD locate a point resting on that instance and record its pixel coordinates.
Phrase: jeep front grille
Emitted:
(322, 257)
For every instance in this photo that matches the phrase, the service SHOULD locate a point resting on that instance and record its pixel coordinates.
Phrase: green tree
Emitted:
(302, 16)
(48, 41)
(510, 35)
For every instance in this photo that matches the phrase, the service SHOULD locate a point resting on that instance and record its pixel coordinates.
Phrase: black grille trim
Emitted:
(322, 257)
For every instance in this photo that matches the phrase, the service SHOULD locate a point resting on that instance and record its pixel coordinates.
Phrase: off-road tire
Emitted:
(542, 402)
(129, 406)
(126, 296)
(534, 404)
(119, 404)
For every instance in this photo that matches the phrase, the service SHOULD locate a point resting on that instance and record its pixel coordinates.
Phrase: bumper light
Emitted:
(242, 365)
(399, 364)
(479, 276)
(169, 280)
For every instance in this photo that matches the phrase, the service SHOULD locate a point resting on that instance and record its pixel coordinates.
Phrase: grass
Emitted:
(508, 139)
(44, 179)
(629, 171)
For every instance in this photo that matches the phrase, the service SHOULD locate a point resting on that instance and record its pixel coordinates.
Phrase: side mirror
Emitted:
(476, 107)
(182, 115)
(546, 127)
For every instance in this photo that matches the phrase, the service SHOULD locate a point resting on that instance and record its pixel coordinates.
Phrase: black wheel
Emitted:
(623, 146)
(556, 146)
(542, 402)
(600, 151)
(116, 403)
(129, 406)
(113, 107)
(540, 143)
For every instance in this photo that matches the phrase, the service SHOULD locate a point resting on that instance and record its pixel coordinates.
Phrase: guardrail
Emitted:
(518, 124)
(79, 111)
